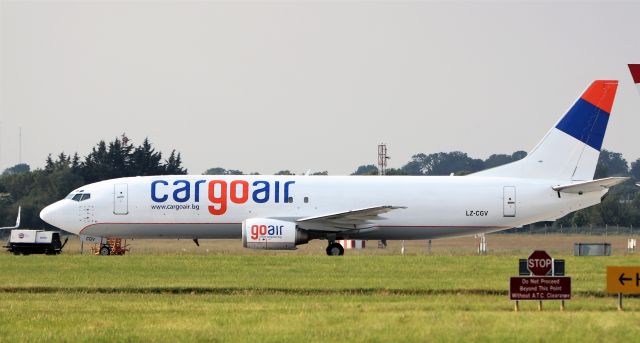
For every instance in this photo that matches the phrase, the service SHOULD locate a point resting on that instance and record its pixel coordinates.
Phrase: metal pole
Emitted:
(620, 302)
(517, 307)
(539, 305)
(562, 305)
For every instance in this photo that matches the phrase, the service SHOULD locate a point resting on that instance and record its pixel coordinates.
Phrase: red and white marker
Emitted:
(352, 243)
(635, 74)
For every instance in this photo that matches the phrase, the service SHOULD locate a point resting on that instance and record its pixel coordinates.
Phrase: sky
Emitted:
(266, 86)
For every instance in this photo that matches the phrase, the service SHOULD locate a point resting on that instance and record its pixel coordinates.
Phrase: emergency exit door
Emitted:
(120, 198)
(509, 201)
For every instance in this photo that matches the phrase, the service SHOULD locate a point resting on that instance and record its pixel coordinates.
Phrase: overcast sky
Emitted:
(265, 86)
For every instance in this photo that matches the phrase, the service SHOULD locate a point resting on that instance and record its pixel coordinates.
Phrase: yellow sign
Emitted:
(623, 279)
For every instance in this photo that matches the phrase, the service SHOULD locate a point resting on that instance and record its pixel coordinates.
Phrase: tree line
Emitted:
(34, 189)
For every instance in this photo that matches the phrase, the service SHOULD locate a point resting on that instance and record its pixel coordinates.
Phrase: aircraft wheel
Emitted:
(105, 251)
(335, 249)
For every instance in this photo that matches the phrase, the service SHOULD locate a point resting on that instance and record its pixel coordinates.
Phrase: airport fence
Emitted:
(542, 229)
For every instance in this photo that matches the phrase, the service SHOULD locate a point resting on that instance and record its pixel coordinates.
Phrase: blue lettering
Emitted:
(153, 191)
(264, 189)
(196, 189)
(184, 189)
(286, 190)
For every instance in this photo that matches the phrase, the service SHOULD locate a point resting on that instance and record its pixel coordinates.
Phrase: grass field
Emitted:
(370, 295)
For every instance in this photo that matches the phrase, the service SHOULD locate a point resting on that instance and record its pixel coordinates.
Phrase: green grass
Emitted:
(275, 298)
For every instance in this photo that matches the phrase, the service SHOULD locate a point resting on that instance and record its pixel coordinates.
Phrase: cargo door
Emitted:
(509, 201)
(120, 198)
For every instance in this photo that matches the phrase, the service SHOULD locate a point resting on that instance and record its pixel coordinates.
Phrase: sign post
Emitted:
(623, 280)
(541, 278)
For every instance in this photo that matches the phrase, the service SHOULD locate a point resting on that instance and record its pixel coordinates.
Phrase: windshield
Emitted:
(78, 196)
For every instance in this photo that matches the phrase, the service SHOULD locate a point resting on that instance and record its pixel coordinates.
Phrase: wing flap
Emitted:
(352, 217)
(590, 186)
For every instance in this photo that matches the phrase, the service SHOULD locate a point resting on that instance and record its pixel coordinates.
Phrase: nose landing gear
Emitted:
(335, 249)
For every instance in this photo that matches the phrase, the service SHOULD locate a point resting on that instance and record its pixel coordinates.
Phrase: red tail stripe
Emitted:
(601, 94)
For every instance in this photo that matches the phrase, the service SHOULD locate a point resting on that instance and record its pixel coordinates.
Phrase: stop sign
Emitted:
(539, 263)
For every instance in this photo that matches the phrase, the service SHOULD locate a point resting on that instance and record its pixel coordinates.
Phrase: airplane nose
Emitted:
(55, 215)
(50, 214)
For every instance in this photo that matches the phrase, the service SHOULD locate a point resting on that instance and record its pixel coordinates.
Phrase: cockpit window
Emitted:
(79, 196)
(73, 194)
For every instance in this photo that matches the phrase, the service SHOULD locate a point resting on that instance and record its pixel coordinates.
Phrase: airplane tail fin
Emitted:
(570, 150)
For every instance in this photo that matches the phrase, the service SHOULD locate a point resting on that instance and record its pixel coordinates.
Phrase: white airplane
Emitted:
(280, 212)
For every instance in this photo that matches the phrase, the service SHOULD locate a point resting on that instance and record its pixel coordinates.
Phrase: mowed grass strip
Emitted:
(287, 272)
(296, 318)
(274, 298)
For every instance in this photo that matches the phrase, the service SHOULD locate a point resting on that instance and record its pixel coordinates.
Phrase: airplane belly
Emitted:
(165, 230)
(422, 232)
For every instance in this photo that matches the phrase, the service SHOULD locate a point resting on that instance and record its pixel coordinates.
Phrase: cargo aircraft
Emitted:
(281, 212)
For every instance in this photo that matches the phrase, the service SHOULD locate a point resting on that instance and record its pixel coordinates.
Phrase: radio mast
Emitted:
(382, 159)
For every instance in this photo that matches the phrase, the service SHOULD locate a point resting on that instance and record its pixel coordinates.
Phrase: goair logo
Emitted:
(266, 231)
(220, 193)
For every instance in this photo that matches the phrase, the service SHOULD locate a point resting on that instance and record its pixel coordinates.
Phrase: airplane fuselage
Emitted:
(203, 206)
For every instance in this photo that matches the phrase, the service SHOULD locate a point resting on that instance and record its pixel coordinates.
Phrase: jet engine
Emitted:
(272, 234)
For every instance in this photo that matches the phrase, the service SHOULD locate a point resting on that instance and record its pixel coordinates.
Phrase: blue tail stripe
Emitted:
(586, 123)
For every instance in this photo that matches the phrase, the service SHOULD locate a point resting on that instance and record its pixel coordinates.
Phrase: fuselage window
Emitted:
(306, 200)
(290, 200)
(85, 196)
(77, 197)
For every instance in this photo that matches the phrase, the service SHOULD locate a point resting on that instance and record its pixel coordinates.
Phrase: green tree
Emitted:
(442, 163)
(17, 169)
(222, 171)
(611, 164)
(496, 160)
(368, 169)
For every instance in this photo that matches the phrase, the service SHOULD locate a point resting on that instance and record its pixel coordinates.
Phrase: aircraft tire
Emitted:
(335, 249)
(105, 251)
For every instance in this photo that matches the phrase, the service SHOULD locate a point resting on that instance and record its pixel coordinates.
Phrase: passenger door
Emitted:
(509, 201)
(120, 198)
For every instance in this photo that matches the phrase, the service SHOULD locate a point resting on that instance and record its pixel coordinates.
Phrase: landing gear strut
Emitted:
(335, 249)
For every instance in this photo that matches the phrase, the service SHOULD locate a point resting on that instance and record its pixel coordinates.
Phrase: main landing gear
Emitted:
(335, 249)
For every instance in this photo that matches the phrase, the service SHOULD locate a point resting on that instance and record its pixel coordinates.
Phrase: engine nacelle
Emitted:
(272, 234)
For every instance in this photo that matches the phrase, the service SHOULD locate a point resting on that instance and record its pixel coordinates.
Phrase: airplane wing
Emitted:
(341, 221)
(590, 186)
(17, 222)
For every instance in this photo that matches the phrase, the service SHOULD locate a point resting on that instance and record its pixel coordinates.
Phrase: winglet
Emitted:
(635, 72)
(17, 221)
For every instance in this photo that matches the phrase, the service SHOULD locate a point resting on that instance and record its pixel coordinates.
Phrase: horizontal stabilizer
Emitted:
(590, 186)
(359, 216)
